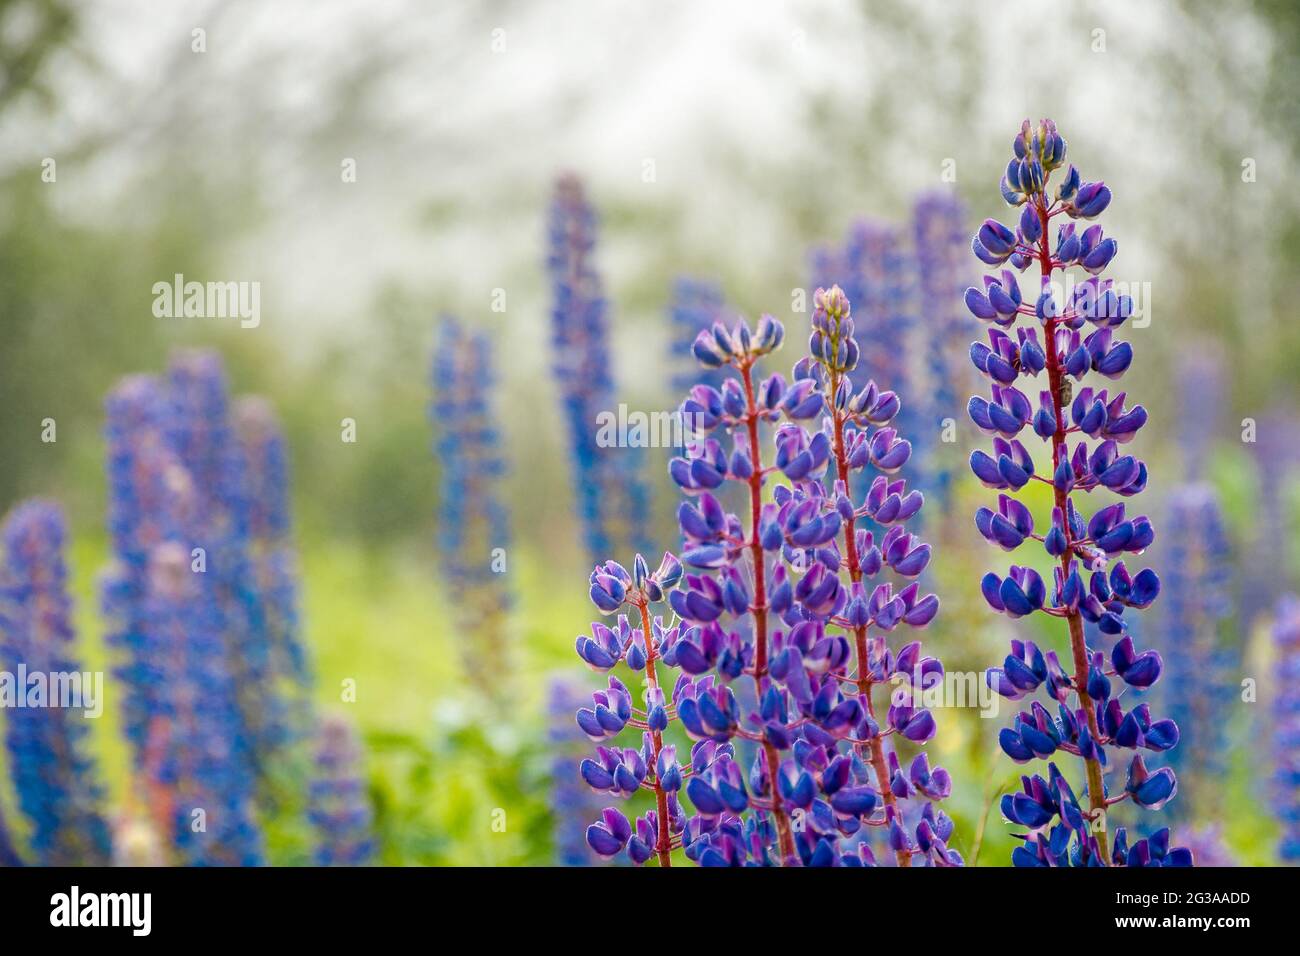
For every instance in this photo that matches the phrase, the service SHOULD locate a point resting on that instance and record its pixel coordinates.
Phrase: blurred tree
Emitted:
(31, 32)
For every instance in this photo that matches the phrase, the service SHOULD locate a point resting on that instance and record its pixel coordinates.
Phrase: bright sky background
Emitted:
(457, 144)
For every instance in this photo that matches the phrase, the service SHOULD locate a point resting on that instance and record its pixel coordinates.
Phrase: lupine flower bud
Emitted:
(1090, 201)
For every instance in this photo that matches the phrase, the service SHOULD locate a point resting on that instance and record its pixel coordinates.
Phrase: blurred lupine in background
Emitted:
(906, 285)
(875, 268)
(943, 272)
(757, 610)
(339, 807)
(696, 305)
(612, 500)
(143, 478)
(473, 523)
(205, 769)
(56, 780)
(274, 562)
(190, 742)
(573, 806)
(202, 600)
(1200, 684)
(1201, 402)
(1286, 725)
(202, 432)
(1089, 718)
(1277, 452)
(1207, 845)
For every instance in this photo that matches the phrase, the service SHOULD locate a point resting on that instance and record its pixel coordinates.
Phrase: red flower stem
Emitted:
(1078, 647)
(876, 746)
(663, 843)
(759, 608)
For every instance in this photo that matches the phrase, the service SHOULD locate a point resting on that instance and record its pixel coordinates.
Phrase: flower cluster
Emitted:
(613, 503)
(1199, 684)
(1286, 725)
(473, 526)
(338, 807)
(57, 785)
(1090, 581)
(779, 637)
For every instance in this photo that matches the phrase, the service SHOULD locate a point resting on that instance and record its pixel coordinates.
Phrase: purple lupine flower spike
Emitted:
(781, 638)
(1089, 430)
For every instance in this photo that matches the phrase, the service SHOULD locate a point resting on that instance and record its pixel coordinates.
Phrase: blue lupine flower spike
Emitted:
(1088, 430)
(56, 780)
